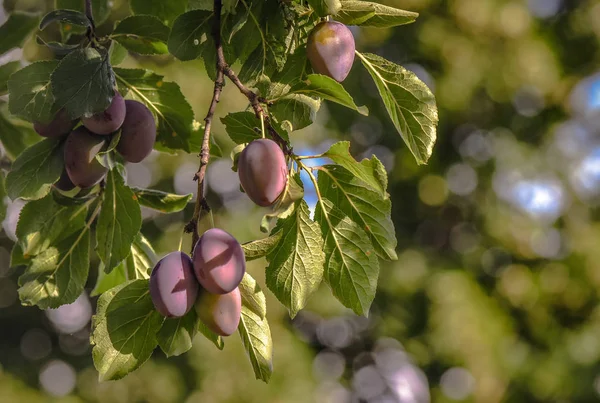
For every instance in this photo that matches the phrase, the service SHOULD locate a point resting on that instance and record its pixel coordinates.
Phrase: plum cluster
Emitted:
(84, 142)
(330, 49)
(208, 281)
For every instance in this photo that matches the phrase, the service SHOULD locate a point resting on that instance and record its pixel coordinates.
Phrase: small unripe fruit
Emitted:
(81, 165)
(262, 171)
(173, 287)
(64, 182)
(219, 261)
(330, 49)
(59, 126)
(220, 312)
(108, 121)
(138, 132)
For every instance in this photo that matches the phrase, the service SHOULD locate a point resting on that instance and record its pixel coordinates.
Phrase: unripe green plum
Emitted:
(138, 132)
(173, 287)
(262, 171)
(330, 49)
(59, 126)
(108, 121)
(81, 165)
(220, 312)
(219, 261)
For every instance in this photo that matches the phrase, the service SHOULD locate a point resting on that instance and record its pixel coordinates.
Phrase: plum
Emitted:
(138, 132)
(262, 171)
(219, 261)
(173, 287)
(220, 312)
(61, 125)
(80, 152)
(64, 182)
(330, 49)
(108, 121)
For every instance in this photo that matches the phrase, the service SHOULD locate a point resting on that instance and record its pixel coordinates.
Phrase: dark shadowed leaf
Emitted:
(176, 334)
(144, 34)
(166, 11)
(31, 93)
(16, 29)
(162, 201)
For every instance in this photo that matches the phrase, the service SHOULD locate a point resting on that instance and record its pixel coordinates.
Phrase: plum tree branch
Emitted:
(90, 16)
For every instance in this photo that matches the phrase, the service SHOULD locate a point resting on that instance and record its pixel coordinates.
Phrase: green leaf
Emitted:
(83, 83)
(17, 258)
(35, 170)
(324, 87)
(57, 275)
(2, 196)
(59, 49)
(362, 205)
(369, 14)
(165, 100)
(166, 11)
(261, 247)
(351, 265)
(37, 232)
(119, 222)
(100, 8)
(210, 335)
(409, 102)
(124, 330)
(5, 71)
(30, 92)
(295, 112)
(142, 256)
(241, 127)
(106, 281)
(65, 17)
(16, 136)
(176, 334)
(280, 83)
(16, 29)
(190, 34)
(116, 53)
(143, 34)
(162, 201)
(324, 8)
(254, 329)
(371, 171)
(295, 267)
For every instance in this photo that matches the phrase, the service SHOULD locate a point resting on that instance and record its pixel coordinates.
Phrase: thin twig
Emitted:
(201, 204)
(90, 16)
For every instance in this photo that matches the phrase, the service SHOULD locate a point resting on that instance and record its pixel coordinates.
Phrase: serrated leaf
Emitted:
(118, 223)
(35, 170)
(36, 232)
(210, 335)
(83, 82)
(369, 14)
(295, 267)
(327, 88)
(189, 34)
(165, 100)
(371, 171)
(241, 127)
(65, 17)
(295, 112)
(31, 93)
(162, 201)
(116, 53)
(362, 205)
(261, 247)
(254, 329)
(351, 265)
(408, 101)
(167, 11)
(324, 8)
(16, 136)
(176, 334)
(143, 34)
(57, 276)
(16, 29)
(100, 8)
(5, 72)
(124, 329)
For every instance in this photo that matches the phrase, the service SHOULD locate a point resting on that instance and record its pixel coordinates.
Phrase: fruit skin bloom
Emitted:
(173, 287)
(331, 49)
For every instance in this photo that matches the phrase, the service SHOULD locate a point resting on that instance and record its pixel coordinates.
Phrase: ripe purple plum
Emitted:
(262, 171)
(81, 165)
(108, 121)
(220, 312)
(219, 261)
(64, 182)
(138, 132)
(173, 287)
(330, 49)
(61, 125)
